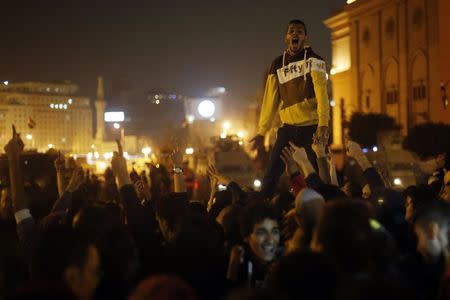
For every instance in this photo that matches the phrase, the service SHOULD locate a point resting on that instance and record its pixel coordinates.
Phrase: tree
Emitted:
(364, 128)
(428, 139)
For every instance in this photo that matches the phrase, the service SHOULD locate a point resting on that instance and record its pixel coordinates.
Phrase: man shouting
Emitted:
(297, 87)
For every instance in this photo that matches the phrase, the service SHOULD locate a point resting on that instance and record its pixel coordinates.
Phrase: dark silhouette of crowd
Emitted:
(139, 236)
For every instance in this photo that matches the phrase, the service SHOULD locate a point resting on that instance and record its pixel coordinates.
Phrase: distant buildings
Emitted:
(391, 56)
(47, 115)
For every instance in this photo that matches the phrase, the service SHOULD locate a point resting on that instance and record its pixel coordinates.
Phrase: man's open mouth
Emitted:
(295, 41)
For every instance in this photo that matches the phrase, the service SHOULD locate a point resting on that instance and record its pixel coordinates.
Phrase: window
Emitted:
(419, 92)
(392, 97)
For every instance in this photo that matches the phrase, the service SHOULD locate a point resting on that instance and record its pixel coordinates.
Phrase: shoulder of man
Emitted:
(276, 64)
(312, 54)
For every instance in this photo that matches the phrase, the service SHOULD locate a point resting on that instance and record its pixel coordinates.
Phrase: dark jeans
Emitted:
(302, 137)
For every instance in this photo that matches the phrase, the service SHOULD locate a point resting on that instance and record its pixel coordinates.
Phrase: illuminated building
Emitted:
(62, 120)
(391, 56)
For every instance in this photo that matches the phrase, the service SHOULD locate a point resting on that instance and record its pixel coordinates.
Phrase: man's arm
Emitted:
(26, 227)
(319, 79)
(270, 103)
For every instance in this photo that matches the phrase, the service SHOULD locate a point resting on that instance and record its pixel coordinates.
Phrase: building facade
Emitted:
(47, 115)
(391, 56)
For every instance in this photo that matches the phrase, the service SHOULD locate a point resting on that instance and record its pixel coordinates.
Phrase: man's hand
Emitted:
(119, 166)
(321, 136)
(60, 164)
(319, 149)
(298, 154)
(354, 149)
(212, 172)
(290, 164)
(177, 158)
(258, 142)
(15, 145)
(76, 180)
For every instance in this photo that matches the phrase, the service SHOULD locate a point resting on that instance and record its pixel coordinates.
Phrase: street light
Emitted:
(226, 125)
(116, 125)
(146, 150)
(51, 146)
(189, 151)
(29, 137)
(206, 108)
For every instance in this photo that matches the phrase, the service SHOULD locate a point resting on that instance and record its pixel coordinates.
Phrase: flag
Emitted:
(31, 123)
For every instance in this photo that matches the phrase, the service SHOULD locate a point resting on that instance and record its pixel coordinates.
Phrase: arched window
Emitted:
(419, 89)
(367, 90)
(391, 86)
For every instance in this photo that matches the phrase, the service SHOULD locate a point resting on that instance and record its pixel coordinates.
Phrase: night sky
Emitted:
(184, 46)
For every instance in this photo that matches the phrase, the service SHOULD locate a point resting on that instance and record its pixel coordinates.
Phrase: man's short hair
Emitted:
(297, 21)
(437, 211)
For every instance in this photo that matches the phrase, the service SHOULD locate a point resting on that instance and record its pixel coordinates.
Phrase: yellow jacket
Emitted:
(297, 87)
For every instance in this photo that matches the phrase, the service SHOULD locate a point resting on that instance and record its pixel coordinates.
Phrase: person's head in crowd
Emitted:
(6, 207)
(170, 211)
(93, 220)
(197, 233)
(260, 231)
(374, 289)
(220, 200)
(352, 189)
(228, 219)
(417, 198)
(308, 209)
(430, 164)
(366, 192)
(431, 227)
(309, 205)
(62, 256)
(283, 202)
(163, 287)
(330, 192)
(445, 192)
(344, 233)
(304, 275)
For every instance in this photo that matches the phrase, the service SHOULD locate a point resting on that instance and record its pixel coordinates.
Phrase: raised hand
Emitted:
(76, 180)
(119, 166)
(15, 145)
(177, 158)
(290, 164)
(319, 149)
(353, 149)
(298, 153)
(60, 163)
(322, 135)
(258, 142)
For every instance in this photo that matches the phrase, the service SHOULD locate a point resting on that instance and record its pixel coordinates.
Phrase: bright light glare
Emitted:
(241, 143)
(146, 150)
(375, 148)
(241, 134)
(114, 116)
(70, 101)
(212, 119)
(222, 90)
(397, 181)
(108, 155)
(223, 135)
(116, 125)
(96, 155)
(332, 103)
(29, 137)
(101, 166)
(257, 183)
(206, 108)
(189, 151)
(226, 125)
(92, 146)
(222, 187)
(50, 146)
(5, 82)
(126, 155)
(365, 150)
(190, 119)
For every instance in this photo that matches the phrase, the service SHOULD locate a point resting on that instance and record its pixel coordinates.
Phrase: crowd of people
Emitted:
(138, 236)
